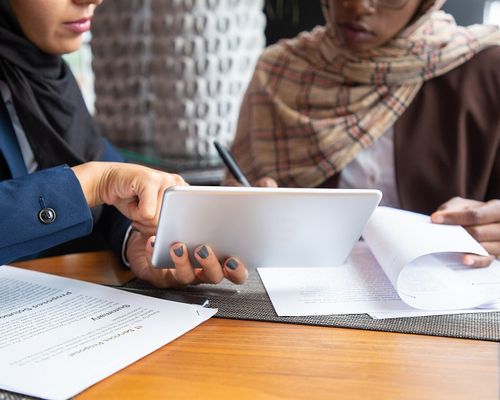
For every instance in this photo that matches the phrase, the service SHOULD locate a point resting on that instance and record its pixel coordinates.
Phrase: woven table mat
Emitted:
(251, 302)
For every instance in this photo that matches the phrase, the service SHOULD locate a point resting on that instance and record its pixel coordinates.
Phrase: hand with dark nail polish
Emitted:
(203, 252)
(179, 251)
(232, 264)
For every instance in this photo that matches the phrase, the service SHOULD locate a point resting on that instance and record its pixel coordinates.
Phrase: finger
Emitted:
(211, 270)
(474, 260)
(165, 181)
(483, 214)
(149, 226)
(232, 182)
(150, 245)
(266, 182)
(150, 194)
(458, 203)
(485, 233)
(146, 230)
(184, 271)
(158, 277)
(179, 180)
(146, 211)
(159, 201)
(235, 271)
(144, 208)
(492, 247)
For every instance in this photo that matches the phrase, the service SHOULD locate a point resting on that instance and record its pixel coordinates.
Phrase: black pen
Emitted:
(228, 159)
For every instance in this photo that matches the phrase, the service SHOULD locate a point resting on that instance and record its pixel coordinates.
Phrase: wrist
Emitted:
(90, 176)
(131, 235)
(131, 231)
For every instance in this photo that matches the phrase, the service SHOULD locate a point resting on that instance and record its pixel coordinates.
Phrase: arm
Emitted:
(22, 233)
(69, 192)
(139, 247)
(108, 221)
(480, 218)
(478, 123)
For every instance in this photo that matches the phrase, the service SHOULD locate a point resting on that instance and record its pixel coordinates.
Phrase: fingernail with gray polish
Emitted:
(232, 264)
(179, 251)
(203, 252)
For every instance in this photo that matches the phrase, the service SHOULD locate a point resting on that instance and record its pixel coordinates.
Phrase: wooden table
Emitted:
(239, 360)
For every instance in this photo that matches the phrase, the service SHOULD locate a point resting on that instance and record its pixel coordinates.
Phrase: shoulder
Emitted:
(476, 81)
(490, 55)
(272, 54)
(484, 66)
(487, 60)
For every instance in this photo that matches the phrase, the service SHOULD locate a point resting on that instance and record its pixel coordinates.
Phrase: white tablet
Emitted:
(265, 227)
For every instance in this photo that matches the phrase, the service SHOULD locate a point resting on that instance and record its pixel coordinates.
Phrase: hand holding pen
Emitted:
(235, 170)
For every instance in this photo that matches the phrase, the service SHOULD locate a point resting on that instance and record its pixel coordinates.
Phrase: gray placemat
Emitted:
(6, 395)
(251, 302)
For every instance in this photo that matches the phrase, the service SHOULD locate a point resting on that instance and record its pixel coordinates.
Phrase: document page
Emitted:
(358, 286)
(397, 237)
(423, 261)
(406, 312)
(59, 336)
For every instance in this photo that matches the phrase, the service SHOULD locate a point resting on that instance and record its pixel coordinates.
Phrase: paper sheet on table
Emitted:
(493, 306)
(412, 312)
(59, 336)
(423, 261)
(359, 286)
(423, 313)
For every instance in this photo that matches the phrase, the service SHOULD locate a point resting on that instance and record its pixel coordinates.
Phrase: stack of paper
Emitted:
(406, 266)
(59, 336)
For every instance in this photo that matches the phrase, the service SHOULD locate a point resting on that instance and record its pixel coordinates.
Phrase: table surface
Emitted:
(237, 359)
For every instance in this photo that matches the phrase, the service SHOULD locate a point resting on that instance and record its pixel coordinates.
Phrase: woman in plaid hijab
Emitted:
(390, 94)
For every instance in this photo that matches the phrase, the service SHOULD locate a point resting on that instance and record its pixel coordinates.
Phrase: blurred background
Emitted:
(178, 139)
(285, 18)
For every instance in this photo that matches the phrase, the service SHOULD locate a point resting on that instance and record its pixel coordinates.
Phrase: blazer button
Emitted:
(47, 215)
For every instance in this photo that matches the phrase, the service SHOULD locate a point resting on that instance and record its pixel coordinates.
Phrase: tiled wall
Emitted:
(172, 73)
(81, 61)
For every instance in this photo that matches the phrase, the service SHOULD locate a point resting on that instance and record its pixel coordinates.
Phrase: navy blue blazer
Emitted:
(24, 233)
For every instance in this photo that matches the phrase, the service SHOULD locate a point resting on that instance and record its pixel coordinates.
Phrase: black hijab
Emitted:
(47, 99)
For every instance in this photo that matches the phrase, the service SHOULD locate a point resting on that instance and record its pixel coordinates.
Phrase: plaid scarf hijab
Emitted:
(312, 106)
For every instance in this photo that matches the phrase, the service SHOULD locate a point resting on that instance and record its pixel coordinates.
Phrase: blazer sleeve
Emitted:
(25, 226)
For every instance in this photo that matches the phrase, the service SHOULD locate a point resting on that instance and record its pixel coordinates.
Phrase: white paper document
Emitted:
(407, 266)
(59, 336)
(408, 311)
(352, 288)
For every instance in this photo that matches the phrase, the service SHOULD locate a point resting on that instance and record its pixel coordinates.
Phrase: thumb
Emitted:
(266, 182)
(149, 247)
(145, 205)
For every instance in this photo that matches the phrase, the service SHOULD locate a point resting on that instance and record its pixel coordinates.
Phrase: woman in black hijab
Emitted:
(54, 163)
